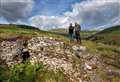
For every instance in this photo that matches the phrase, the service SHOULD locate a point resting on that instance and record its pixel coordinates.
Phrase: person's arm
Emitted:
(67, 30)
(80, 27)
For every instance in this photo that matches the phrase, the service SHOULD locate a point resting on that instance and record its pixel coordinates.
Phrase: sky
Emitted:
(50, 14)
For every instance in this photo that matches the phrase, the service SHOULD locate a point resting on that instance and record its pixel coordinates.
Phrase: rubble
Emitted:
(56, 55)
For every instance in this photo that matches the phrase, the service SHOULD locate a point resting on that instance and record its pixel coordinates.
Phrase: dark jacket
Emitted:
(71, 29)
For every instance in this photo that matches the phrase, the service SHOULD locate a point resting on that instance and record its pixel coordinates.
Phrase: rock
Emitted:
(88, 67)
(54, 54)
(75, 48)
(51, 38)
(78, 54)
(82, 48)
(115, 73)
(79, 48)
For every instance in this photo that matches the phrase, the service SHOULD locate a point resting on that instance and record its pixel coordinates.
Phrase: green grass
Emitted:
(109, 36)
(27, 72)
(111, 30)
(86, 34)
(110, 54)
(91, 46)
(106, 78)
(13, 31)
(107, 48)
(64, 32)
(30, 73)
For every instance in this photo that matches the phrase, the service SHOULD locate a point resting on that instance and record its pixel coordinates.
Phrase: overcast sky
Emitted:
(47, 14)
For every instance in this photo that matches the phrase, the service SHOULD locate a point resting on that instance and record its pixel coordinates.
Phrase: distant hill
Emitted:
(112, 30)
(84, 34)
(110, 36)
(19, 26)
(8, 31)
(13, 32)
(60, 30)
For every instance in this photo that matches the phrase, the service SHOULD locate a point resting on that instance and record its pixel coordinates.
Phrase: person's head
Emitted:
(70, 24)
(76, 23)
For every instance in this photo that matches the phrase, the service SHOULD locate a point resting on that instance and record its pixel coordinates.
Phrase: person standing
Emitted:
(77, 32)
(71, 31)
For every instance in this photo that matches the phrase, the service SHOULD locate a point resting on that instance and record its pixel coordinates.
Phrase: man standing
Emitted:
(71, 31)
(77, 32)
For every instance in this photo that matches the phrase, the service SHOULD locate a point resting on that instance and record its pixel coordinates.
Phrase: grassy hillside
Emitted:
(12, 32)
(27, 72)
(110, 54)
(30, 73)
(84, 34)
(107, 43)
(113, 30)
(17, 31)
(108, 36)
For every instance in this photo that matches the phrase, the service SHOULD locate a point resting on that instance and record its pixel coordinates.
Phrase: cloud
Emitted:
(49, 22)
(13, 10)
(96, 13)
(91, 14)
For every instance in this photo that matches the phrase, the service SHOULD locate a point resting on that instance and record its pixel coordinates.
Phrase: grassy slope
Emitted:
(15, 31)
(27, 72)
(10, 31)
(109, 53)
(30, 73)
(107, 43)
(113, 30)
(109, 36)
(84, 34)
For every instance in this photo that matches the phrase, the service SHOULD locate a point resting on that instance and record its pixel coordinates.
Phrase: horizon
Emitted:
(47, 14)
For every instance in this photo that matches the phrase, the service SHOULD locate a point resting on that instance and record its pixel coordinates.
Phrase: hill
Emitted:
(53, 58)
(19, 26)
(84, 34)
(13, 32)
(108, 36)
